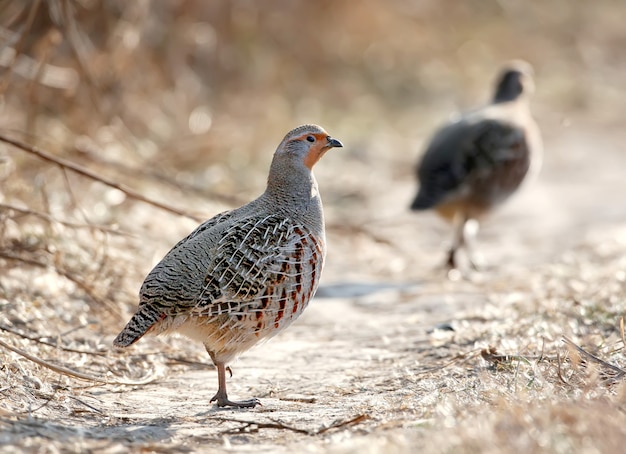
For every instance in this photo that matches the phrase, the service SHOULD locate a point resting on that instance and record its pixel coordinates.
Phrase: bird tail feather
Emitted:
(140, 323)
(423, 202)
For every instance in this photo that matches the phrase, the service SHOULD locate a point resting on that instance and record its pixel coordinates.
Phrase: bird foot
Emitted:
(450, 263)
(477, 262)
(451, 267)
(223, 401)
(454, 274)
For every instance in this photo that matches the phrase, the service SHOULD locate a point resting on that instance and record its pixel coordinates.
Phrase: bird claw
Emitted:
(454, 274)
(476, 266)
(477, 262)
(223, 401)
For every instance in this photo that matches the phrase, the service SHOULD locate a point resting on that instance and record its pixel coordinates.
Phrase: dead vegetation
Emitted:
(123, 123)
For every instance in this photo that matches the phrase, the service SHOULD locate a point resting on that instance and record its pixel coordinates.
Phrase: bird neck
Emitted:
(291, 187)
(509, 89)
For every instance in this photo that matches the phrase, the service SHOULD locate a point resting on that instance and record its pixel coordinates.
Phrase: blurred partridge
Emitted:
(246, 274)
(476, 162)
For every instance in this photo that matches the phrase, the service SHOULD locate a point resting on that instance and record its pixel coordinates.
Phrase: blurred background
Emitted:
(185, 102)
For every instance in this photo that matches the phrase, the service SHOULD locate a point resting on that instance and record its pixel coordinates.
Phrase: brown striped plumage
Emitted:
(475, 163)
(245, 274)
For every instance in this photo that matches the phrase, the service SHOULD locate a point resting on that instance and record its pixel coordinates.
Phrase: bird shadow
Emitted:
(360, 289)
(154, 430)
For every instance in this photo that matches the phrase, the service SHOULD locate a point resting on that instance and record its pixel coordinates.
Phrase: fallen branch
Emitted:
(253, 426)
(617, 372)
(171, 359)
(91, 407)
(559, 371)
(275, 424)
(492, 356)
(151, 174)
(74, 225)
(59, 369)
(80, 284)
(65, 164)
(21, 39)
(458, 357)
(49, 344)
(302, 399)
(72, 373)
(338, 424)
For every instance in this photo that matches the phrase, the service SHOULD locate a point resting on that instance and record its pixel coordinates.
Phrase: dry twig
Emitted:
(59, 369)
(348, 422)
(559, 371)
(457, 358)
(253, 426)
(160, 177)
(91, 407)
(615, 372)
(51, 219)
(66, 274)
(492, 356)
(72, 373)
(49, 344)
(23, 34)
(65, 164)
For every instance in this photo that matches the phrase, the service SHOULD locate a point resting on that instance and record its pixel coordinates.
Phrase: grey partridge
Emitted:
(476, 162)
(246, 274)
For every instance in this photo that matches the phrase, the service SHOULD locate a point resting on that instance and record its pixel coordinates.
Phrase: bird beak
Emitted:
(333, 143)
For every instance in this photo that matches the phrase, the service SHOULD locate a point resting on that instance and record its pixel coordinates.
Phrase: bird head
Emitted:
(307, 144)
(291, 181)
(515, 80)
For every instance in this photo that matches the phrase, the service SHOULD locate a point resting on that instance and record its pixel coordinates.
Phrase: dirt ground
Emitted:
(387, 358)
(527, 355)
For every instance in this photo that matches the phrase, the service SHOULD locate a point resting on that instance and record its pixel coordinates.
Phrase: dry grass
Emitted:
(127, 114)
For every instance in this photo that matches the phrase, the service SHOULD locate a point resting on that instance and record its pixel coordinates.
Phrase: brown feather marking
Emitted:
(265, 300)
(312, 262)
(281, 310)
(299, 257)
(295, 301)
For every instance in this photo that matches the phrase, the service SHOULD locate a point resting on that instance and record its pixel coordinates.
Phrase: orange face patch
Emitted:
(317, 149)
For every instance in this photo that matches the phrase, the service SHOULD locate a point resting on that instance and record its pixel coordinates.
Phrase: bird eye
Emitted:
(310, 138)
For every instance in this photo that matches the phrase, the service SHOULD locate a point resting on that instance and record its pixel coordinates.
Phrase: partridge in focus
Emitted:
(476, 162)
(244, 275)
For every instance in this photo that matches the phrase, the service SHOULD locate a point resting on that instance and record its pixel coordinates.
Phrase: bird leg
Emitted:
(451, 262)
(222, 397)
(457, 241)
(470, 230)
(465, 230)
